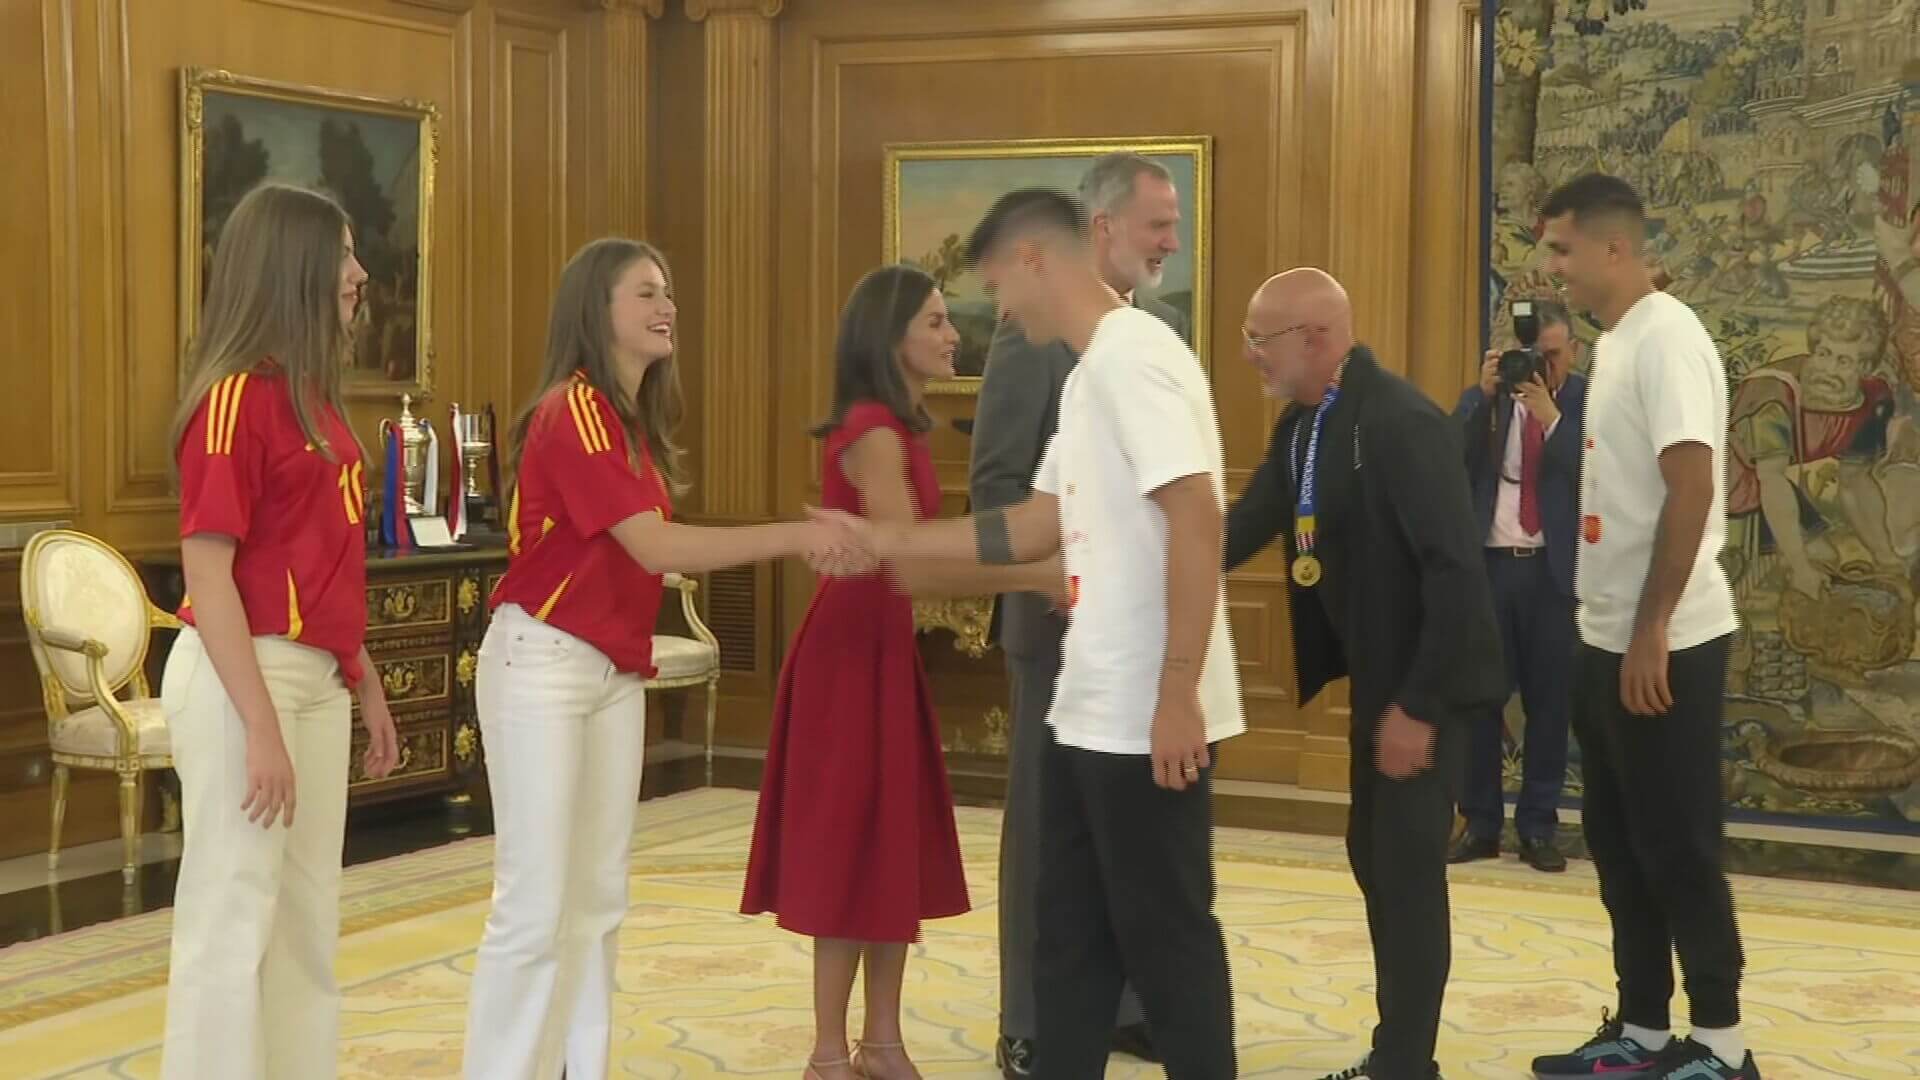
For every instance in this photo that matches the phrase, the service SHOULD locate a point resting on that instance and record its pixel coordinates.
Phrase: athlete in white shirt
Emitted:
(1131, 491)
(1655, 617)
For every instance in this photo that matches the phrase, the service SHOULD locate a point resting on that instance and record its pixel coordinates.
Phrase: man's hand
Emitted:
(1179, 740)
(1405, 745)
(1057, 592)
(1539, 401)
(1643, 674)
(1490, 374)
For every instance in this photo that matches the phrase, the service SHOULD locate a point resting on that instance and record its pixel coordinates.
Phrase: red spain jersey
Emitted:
(578, 480)
(247, 471)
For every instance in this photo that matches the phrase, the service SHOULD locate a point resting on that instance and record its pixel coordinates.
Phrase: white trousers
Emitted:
(565, 739)
(256, 913)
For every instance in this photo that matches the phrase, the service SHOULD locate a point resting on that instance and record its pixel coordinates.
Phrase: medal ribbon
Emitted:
(1305, 480)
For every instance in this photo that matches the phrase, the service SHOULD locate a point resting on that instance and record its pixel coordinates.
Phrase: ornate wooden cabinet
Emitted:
(426, 614)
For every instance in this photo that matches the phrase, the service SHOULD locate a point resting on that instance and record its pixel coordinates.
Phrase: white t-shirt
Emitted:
(1657, 382)
(1135, 415)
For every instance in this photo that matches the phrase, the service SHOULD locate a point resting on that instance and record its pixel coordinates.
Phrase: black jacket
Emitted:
(1404, 607)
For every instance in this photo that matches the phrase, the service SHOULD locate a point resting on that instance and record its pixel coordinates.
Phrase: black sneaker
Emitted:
(1684, 1059)
(1609, 1051)
(1013, 1057)
(1360, 1071)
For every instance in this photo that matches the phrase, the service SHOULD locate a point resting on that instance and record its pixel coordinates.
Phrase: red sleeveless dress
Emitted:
(855, 837)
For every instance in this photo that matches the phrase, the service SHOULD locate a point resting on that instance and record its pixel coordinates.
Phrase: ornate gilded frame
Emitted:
(195, 84)
(1198, 147)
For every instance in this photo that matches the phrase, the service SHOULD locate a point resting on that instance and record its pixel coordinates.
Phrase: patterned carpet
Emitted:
(1833, 983)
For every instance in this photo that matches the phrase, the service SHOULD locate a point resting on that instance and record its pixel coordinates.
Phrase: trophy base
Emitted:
(482, 537)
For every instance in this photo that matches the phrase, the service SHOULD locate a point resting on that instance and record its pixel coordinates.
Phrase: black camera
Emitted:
(1521, 365)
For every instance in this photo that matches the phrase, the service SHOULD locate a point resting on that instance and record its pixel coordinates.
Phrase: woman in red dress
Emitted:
(854, 843)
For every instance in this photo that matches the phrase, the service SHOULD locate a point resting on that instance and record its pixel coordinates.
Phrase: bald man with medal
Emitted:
(1364, 482)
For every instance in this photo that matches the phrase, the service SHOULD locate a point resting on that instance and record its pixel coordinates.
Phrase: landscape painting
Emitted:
(937, 192)
(375, 156)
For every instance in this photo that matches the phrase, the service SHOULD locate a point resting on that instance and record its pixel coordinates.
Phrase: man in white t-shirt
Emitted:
(1656, 618)
(1131, 492)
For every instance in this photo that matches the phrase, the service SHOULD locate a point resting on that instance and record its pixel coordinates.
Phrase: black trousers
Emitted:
(1655, 819)
(1537, 630)
(1397, 832)
(1126, 896)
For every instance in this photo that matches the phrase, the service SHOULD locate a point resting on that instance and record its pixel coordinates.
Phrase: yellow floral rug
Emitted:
(1833, 977)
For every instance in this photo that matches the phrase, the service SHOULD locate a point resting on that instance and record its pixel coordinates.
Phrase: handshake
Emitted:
(838, 544)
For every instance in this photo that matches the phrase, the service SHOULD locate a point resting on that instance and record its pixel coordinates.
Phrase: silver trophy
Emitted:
(476, 443)
(474, 437)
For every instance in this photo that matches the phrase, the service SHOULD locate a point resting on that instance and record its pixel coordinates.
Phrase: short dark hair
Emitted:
(1023, 211)
(1596, 195)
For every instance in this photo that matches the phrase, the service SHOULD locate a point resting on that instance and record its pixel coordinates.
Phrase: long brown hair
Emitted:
(580, 338)
(275, 293)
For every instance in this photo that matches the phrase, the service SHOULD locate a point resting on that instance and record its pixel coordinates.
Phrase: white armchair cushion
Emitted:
(92, 732)
(683, 658)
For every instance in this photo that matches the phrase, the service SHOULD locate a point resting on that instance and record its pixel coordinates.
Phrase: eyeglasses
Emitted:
(1261, 341)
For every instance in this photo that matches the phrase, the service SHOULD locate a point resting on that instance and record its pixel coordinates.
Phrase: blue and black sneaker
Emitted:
(1610, 1051)
(1684, 1059)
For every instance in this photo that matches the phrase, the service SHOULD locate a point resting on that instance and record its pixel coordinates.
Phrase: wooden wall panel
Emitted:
(529, 101)
(856, 74)
(39, 453)
(538, 99)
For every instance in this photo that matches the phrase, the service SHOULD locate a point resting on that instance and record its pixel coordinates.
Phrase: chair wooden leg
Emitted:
(130, 824)
(61, 780)
(713, 705)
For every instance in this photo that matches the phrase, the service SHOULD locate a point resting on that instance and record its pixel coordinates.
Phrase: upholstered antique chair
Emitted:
(88, 622)
(683, 662)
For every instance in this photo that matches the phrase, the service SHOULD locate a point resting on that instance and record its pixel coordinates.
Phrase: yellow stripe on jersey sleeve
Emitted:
(599, 421)
(513, 522)
(223, 413)
(580, 403)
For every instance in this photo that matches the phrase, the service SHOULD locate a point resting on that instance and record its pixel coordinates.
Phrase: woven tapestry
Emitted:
(1771, 140)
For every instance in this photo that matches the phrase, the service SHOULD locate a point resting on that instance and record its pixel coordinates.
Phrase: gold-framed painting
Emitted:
(375, 155)
(937, 192)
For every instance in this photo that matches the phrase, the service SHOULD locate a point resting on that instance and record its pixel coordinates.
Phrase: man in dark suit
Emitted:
(1133, 210)
(1523, 459)
(1364, 483)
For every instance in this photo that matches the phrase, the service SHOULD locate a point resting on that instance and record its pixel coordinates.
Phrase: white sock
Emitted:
(1648, 1038)
(1727, 1044)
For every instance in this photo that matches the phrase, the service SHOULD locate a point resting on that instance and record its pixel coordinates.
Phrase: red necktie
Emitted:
(1533, 438)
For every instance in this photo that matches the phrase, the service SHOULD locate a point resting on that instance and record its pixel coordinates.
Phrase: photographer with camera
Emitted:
(1522, 430)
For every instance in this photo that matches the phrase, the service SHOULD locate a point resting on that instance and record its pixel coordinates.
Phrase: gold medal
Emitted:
(1306, 571)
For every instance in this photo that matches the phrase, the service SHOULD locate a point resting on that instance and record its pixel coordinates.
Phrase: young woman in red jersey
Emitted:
(257, 687)
(561, 670)
(854, 843)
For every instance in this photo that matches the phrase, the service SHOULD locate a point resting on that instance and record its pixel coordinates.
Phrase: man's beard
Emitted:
(1147, 278)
